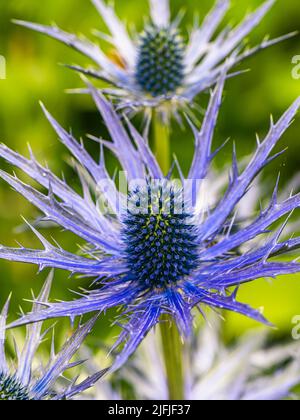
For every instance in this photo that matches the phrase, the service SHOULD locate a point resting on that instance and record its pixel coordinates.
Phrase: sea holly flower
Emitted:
(152, 253)
(27, 382)
(157, 69)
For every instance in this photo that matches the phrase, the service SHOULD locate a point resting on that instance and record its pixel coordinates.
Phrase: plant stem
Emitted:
(173, 357)
(171, 341)
(162, 143)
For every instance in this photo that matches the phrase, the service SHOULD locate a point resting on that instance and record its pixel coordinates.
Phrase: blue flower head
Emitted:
(154, 253)
(157, 69)
(161, 241)
(25, 382)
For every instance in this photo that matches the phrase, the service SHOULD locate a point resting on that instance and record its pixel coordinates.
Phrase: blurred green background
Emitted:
(33, 74)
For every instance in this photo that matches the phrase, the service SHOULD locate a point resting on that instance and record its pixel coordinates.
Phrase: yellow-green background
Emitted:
(33, 74)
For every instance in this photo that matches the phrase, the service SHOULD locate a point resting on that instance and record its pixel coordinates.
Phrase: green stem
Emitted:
(162, 143)
(173, 357)
(171, 341)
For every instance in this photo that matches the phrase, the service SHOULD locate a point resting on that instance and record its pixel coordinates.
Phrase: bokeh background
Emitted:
(34, 73)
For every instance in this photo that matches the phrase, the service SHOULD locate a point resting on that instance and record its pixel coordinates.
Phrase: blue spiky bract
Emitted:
(160, 63)
(11, 389)
(209, 242)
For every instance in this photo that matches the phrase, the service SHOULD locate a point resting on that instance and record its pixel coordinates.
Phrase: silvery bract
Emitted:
(247, 370)
(157, 69)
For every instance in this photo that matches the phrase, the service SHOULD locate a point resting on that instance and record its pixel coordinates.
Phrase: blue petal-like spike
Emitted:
(98, 301)
(29, 382)
(88, 383)
(118, 30)
(124, 149)
(180, 310)
(3, 317)
(45, 177)
(269, 216)
(201, 37)
(42, 386)
(201, 296)
(78, 150)
(230, 304)
(253, 272)
(138, 326)
(236, 192)
(83, 46)
(61, 259)
(150, 162)
(52, 209)
(33, 337)
(203, 140)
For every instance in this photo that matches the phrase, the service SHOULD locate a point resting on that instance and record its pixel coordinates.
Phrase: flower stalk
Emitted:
(162, 142)
(171, 341)
(173, 358)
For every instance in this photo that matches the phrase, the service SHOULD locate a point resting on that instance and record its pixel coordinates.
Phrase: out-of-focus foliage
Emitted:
(33, 74)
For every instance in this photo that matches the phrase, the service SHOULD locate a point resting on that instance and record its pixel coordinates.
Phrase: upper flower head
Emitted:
(25, 382)
(158, 68)
(151, 246)
(160, 64)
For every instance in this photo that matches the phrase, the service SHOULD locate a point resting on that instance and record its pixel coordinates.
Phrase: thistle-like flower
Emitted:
(31, 381)
(153, 253)
(157, 68)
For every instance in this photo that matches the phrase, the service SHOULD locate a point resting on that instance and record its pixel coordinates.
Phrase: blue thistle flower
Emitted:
(25, 382)
(160, 63)
(157, 69)
(161, 243)
(154, 254)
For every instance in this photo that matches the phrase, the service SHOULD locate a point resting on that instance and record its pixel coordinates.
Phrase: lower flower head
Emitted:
(25, 381)
(11, 389)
